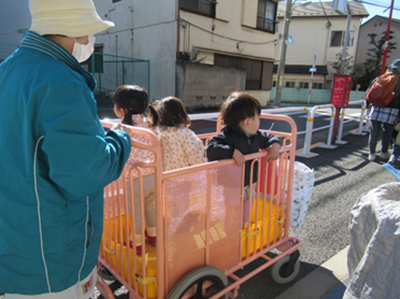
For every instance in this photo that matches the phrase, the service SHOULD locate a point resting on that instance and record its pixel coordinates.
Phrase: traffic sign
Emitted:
(290, 40)
(313, 69)
(339, 6)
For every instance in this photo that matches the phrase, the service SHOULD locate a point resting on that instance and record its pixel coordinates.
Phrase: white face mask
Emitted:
(82, 52)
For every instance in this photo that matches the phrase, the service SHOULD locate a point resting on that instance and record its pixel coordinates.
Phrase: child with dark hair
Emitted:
(130, 105)
(241, 136)
(180, 148)
(180, 145)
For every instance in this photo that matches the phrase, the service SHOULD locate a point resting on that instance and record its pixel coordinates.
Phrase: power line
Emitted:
(227, 37)
(382, 5)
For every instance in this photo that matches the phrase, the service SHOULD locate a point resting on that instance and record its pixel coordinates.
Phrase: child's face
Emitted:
(251, 125)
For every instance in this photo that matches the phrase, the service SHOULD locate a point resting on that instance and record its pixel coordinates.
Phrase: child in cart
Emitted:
(180, 148)
(180, 145)
(130, 105)
(241, 136)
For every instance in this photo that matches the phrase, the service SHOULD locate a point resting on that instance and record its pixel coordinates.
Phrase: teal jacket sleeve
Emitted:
(81, 158)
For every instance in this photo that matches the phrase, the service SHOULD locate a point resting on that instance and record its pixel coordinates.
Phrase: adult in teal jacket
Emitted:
(55, 157)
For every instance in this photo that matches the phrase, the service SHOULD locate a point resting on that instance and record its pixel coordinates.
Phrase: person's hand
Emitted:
(273, 152)
(122, 127)
(238, 157)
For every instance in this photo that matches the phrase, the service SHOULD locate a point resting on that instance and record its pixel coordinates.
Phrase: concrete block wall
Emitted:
(318, 96)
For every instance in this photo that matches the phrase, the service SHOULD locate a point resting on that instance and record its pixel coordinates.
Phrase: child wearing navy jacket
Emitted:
(241, 136)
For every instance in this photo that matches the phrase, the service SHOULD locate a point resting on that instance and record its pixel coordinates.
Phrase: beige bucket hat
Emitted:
(73, 18)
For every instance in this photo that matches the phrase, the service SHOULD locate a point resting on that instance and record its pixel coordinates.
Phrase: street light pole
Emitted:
(282, 58)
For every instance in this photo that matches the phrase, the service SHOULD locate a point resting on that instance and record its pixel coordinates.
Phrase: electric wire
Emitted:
(227, 37)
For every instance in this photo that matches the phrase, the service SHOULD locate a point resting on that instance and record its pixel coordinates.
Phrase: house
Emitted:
(317, 34)
(15, 19)
(377, 25)
(199, 50)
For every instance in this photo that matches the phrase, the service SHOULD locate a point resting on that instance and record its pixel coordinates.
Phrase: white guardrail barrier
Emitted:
(306, 153)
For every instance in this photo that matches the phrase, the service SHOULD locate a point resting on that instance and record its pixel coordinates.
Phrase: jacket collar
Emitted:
(37, 42)
(237, 131)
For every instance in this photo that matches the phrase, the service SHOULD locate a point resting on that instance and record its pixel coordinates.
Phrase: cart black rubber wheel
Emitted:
(195, 279)
(279, 268)
(105, 274)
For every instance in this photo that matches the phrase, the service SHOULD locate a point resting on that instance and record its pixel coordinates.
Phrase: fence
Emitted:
(318, 96)
(112, 71)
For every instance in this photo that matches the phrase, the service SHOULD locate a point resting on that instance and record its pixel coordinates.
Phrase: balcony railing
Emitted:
(203, 7)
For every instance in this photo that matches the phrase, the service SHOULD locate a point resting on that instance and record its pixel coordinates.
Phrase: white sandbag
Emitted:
(373, 258)
(303, 184)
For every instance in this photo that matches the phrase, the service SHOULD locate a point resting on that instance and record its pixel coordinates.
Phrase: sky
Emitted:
(376, 7)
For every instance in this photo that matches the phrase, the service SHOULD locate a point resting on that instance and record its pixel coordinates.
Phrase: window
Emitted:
(266, 15)
(303, 85)
(290, 84)
(317, 85)
(113, 1)
(253, 73)
(258, 72)
(203, 7)
(337, 38)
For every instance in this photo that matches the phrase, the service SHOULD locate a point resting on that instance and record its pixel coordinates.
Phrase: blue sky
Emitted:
(375, 7)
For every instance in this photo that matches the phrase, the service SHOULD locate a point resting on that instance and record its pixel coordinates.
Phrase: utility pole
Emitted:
(282, 58)
(341, 70)
(385, 51)
(346, 39)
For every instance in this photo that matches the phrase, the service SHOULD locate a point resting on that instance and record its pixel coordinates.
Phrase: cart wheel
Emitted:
(192, 284)
(280, 267)
(105, 274)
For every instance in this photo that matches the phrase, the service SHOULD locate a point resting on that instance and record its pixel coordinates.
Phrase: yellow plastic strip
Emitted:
(147, 280)
(255, 233)
(109, 251)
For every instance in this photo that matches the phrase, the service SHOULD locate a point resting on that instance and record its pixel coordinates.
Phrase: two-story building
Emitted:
(199, 50)
(317, 34)
(377, 25)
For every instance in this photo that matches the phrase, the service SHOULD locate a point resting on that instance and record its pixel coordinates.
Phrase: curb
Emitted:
(320, 282)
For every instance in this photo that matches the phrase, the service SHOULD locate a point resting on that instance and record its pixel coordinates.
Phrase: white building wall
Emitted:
(341, 26)
(230, 33)
(311, 36)
(144, 30)
(14, 15)
(377, 26)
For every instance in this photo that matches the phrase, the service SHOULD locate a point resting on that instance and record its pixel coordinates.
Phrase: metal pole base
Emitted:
(309, 155)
